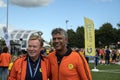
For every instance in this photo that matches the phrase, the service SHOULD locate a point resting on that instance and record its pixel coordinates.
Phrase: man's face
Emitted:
(34, 48)
(59, 41)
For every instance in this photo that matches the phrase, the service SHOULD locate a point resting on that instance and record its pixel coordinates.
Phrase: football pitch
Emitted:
(106, 72)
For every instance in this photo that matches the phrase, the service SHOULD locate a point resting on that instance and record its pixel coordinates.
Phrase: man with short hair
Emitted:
(65, 64)
(32, 66)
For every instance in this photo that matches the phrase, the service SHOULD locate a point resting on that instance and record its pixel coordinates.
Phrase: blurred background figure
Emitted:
(5, 59)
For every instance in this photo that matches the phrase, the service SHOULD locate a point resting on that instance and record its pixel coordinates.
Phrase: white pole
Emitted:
(95, 69)
(7, 14)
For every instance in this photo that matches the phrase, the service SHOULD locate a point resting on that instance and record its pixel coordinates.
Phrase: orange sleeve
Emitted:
(12, 74)
(0, 57)
(49, 70)
(83, 69)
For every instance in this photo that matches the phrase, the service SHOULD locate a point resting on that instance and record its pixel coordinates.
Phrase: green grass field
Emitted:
(106, 72)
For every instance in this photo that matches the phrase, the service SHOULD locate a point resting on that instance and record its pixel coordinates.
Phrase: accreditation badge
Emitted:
(40, 70)
(70, 66)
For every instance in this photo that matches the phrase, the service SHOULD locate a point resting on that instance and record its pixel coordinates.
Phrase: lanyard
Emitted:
(33, 75)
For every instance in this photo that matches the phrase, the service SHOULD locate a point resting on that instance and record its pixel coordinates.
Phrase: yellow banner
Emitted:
(89, 37)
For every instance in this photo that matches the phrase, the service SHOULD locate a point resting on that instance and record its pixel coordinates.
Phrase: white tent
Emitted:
(46, 44)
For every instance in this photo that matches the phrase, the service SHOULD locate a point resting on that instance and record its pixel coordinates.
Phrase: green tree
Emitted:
(80, 37)
(118, 24)
(98, 42)
(106, 34)
(71, 38)
(2, 42)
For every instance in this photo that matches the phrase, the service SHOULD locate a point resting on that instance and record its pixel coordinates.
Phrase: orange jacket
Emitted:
(18, 71)
(0, 61)
(5, 59)
(72, 67)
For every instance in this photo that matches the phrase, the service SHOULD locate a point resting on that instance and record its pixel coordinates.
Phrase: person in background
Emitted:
(0, 63)
(114, 55)
(43, 51)
(107, 56)
(102, 55)
(82, 52)
(11, 63)
(5, 59)
(0, 50)
(97, 56)
(117, 55)
(65, 64)
(32, 66)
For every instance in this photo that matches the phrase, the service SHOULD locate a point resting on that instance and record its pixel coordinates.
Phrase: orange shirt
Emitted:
(5, 59)
(101, 51)
(0, 61)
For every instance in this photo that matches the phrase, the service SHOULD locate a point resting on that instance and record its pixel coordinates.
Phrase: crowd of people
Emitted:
(109, 56)
(38, 63)
(104, 55)
(59, 62)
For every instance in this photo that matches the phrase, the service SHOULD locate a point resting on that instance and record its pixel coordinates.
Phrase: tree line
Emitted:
(106, 35)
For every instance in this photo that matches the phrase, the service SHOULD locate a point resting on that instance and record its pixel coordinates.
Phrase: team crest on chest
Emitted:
(70, 66)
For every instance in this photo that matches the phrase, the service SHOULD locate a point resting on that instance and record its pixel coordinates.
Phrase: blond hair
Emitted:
(36, 37)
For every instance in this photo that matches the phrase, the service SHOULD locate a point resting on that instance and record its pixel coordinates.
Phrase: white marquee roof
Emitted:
(23, 34)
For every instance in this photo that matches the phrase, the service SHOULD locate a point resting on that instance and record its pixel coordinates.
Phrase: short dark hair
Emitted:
(5, 49)
(59, 31)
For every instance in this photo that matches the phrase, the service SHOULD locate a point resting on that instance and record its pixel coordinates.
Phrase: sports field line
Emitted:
(110, 71)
